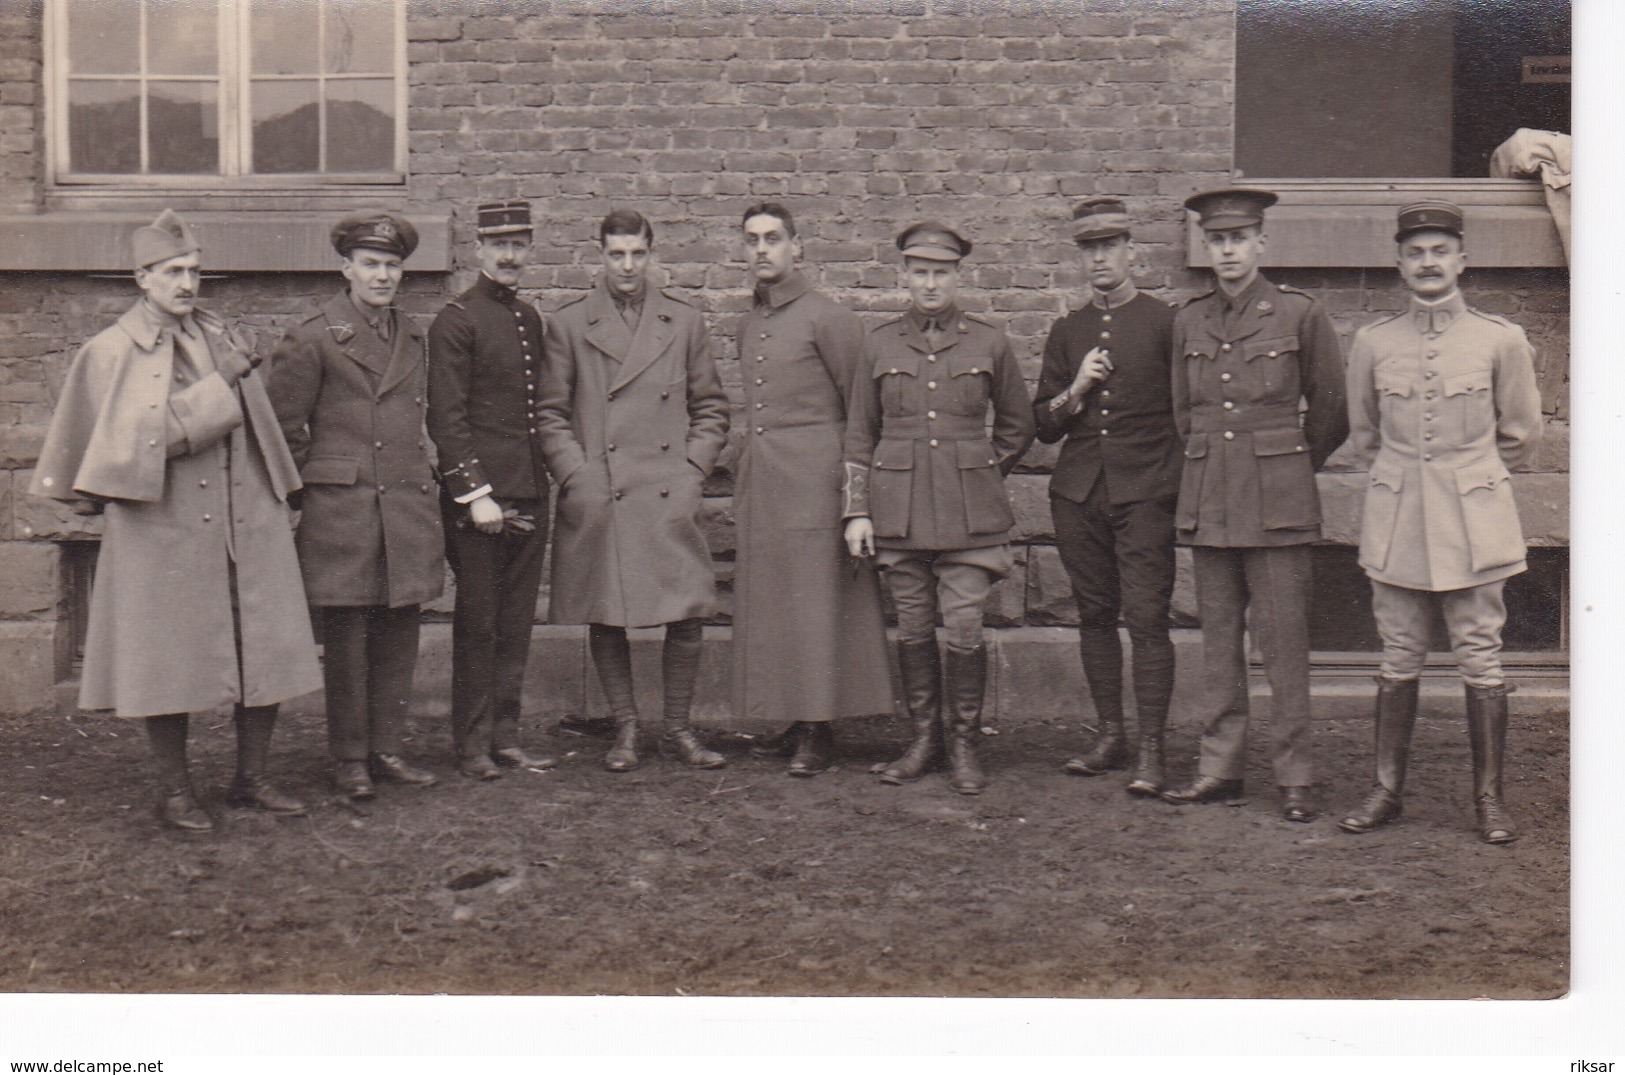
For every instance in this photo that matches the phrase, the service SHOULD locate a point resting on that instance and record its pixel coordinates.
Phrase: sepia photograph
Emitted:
(786, 498)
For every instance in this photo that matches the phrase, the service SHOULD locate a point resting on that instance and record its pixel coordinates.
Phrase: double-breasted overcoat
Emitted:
(195, 476)
(632, 423)
(1259, 397)
(1442, 402)
(352, 409)
(809, 637)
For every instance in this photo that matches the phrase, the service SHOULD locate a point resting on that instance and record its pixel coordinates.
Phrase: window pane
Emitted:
(103, 37)
(284, 36)
(182, 36)
(360, 36)
(286, 127)
(361, 125)
(183, 128)
(104, 127)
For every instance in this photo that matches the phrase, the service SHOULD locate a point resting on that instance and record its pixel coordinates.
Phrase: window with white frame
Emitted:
(259, 93)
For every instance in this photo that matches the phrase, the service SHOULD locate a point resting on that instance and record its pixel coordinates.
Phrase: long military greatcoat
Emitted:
(352, 407)
(1243, 368)
(809, 637)
(631, 426)
(1442, 401)
(161, 637)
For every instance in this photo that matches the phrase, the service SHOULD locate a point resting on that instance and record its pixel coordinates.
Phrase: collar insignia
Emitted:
(341, 331)
(1264, 306)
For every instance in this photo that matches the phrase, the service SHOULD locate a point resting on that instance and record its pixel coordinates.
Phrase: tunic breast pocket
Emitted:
(971, 385)
(1469, 410)
(1273, 364)
(1394, 392)
(899, 391)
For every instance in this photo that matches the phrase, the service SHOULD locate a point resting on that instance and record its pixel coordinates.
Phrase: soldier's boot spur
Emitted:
(921, 667)
(680, 667)
(1395, 720)
(967, 684)
(815, 748)
(1487, 735)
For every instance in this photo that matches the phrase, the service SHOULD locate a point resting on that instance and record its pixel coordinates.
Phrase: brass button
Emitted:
(933, 442)
(1427, 458)
(1105, 317)
(1428, 415)
(1427, 436)
(663, 395)
(1229, 406)
(1431, 395)
(1272, 354)
(1105, 335)
(382, 490)
(424, 488)
(203, 484)
(377, 444)
(611, 447)
(618, 494)
(1105, 432)
(1229, 435)
(761, 358)
(664, 445)
(152, 444)
(1224, 377)
(665, 492)
(759, 380)
(973, 369)
(928, 358)
(1104, 392)
(1226, 347)
(1429, 375)
(1104, 412)
(208, 518)
(764, 336)
(930, 384)
(930, 414)
(759, 406)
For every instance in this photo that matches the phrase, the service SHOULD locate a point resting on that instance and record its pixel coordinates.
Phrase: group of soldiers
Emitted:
(867, 459)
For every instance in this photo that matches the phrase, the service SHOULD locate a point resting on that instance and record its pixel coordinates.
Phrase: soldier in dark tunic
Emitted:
(348, 385)
(485, 360)
(925, 492)
(1105, 387)
(1258, 395)
(809, 641)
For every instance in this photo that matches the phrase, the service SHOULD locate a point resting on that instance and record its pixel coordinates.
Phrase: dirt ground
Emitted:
(745, 882)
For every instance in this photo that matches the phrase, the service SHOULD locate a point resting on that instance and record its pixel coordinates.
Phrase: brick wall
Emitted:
(995, 116)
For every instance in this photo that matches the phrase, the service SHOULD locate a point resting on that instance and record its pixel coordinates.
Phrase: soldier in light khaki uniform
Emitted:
(1442, 402)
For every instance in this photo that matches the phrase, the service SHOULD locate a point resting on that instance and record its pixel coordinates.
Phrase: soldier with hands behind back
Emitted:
(1442, 404)
(348, 384)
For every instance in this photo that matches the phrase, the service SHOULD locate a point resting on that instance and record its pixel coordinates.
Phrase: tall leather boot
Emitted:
(1395, 719)
(1487, 734)
(251, 787)
(1102, 653)
(612, 658)
(679, 668)
(1153, 691)
(177, 804)
(967, 683)
(921, 667)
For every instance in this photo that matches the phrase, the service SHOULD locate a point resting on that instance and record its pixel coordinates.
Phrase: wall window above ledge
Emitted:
(1350, 111)
(261, 120)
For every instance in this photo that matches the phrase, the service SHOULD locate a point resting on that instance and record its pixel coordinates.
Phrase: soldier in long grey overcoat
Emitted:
(349, 386)
(1442, 403)
(809, 640)
(163, 426)
(633, 417)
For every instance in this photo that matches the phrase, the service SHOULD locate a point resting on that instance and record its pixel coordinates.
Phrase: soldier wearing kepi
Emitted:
(485, 362)
(1258, 396)
(163, 426)
(925, 492)
(633, 417)
(1442, 402)
(809, 637)
(1105, 388)
(349, 386)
